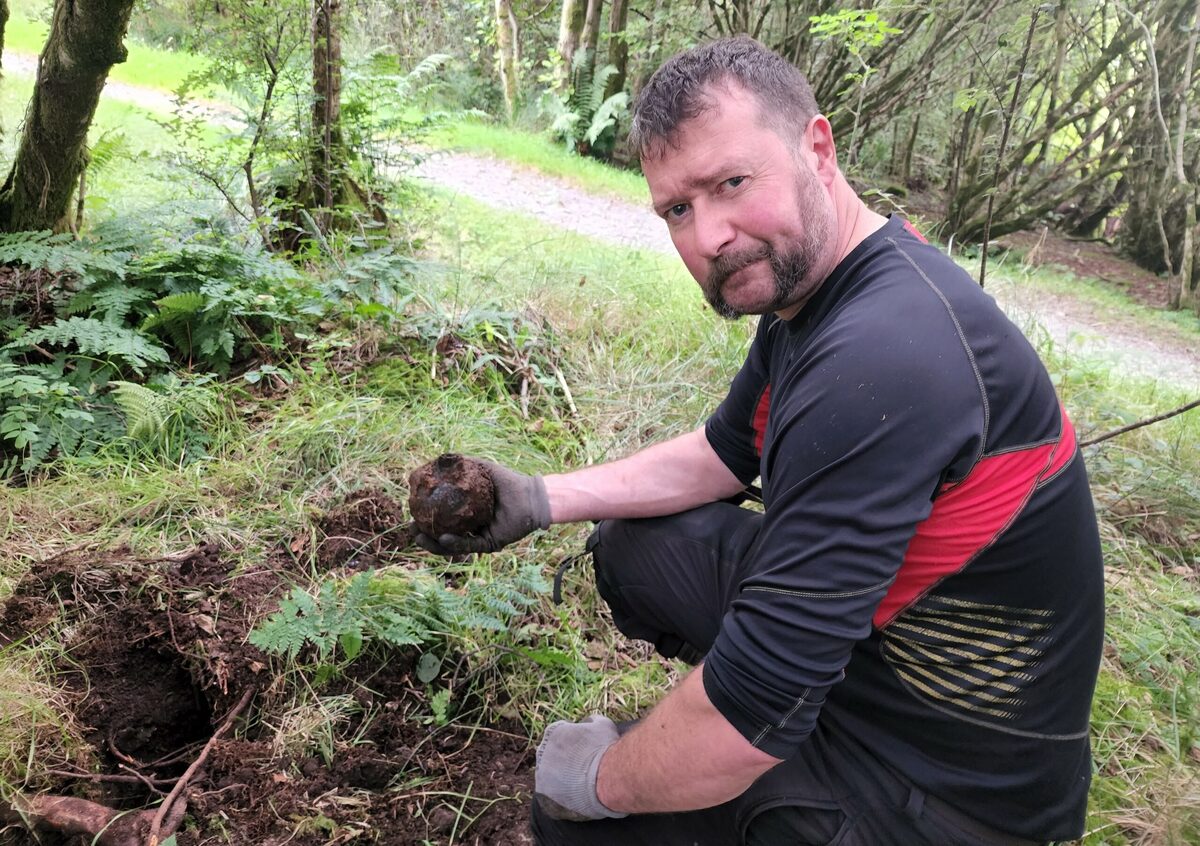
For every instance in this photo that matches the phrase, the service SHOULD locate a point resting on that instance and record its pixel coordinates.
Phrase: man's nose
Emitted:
(714, 232)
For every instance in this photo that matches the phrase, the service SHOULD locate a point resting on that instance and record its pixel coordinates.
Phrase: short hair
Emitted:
(679, 91)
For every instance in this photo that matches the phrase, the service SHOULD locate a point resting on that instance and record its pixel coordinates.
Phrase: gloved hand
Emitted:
(521, 506)
(568, 759)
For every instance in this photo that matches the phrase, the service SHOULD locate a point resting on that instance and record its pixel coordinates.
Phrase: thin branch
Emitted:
(165, 807)
(1141, 423)
(111, 778)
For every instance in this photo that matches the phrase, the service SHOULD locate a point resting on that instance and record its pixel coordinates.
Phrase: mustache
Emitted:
(726, 265)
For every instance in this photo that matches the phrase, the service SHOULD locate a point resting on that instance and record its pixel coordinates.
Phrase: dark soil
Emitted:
(363, 531)
(451, 495)
(157, 654)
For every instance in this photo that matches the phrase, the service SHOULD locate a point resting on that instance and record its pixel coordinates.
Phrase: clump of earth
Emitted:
(451, 495)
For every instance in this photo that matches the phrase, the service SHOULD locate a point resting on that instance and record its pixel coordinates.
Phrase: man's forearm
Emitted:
(683, 756)
(666, 478)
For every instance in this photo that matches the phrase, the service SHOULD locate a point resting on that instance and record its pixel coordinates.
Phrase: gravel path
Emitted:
(1133, 346)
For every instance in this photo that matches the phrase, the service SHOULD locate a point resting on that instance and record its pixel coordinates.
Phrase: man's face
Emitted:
(749, 215)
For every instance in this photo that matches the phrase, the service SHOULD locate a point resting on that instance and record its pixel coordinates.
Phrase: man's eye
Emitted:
(735, 181)
(677, 210)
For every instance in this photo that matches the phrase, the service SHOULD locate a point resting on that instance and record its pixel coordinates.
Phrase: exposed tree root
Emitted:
(70, 816)
(108, 827)
(167, 810)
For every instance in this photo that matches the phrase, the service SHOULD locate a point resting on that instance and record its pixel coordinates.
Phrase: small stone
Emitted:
(442, 819)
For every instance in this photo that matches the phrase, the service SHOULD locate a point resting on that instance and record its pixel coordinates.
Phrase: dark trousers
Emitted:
(670, 581)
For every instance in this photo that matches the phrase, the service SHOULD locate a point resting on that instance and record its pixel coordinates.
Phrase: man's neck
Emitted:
(856, 222)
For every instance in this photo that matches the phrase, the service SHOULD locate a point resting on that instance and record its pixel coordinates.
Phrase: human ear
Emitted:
(818, 137)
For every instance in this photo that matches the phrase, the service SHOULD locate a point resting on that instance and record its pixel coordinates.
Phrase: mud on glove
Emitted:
(568, 759)
(521, 507)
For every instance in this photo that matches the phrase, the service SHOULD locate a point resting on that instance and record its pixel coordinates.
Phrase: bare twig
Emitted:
(1141, 423)
(165, 808)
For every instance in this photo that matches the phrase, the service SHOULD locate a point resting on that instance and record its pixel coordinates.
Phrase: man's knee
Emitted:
(614, 548)
(633, 565)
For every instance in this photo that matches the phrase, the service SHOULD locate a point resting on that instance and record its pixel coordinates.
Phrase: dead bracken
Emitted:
(451, 495)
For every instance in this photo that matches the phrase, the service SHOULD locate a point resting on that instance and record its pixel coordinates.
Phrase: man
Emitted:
(902, 647)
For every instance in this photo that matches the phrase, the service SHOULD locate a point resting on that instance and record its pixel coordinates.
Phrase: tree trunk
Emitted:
(618, 47)
(906, 167)
(591, 29)
(328, 160)
(506, 56)
(569, 27)
(1187, 274)
(3, 24)
(661, 9)
(86, 39)
(1187, 284)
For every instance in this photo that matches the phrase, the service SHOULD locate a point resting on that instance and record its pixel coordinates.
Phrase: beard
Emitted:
(792, 268)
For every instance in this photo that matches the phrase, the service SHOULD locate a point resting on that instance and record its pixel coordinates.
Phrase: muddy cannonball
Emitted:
(451, 495)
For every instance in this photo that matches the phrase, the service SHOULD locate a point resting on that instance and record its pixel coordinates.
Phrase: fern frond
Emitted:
(610, 111)
(145, 410)
(94, 337)
(110, 146)
(180, 306)
(112, 302)
(595, 91)
(427, 67)
(58, 254)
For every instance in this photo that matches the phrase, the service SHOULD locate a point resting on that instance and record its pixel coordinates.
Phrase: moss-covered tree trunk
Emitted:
(3, 23)
(590, 38)
(86, 39)
(618, 47)
(506, 55)
(328, 160)
(570, 25)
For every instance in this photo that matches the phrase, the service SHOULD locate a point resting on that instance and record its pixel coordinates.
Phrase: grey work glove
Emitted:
(521, 506)
(568, 759)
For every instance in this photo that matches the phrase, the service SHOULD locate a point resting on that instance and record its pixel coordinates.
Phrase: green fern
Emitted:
(380, 277)
(114, 303)
(96, 338)
(59, 253)
(410, 612)
(584, 119)
(145, 410)
(40, 413)
(339, 614)
(113, 144)
(169, 416)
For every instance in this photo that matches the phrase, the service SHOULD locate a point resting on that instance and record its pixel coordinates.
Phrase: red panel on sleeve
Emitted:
(912, 230)
(969, 516)
(760, 419)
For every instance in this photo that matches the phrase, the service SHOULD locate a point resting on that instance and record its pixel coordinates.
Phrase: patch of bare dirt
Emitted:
(363, 531)
(155, 655)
